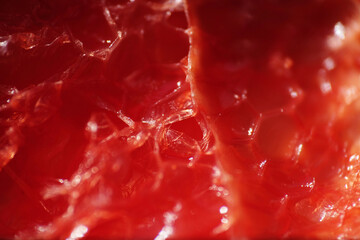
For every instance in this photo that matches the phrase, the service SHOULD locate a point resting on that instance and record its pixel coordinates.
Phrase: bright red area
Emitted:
(272, 79)
(165, 119)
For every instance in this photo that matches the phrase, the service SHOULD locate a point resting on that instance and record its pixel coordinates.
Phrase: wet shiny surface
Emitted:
(270, 76)
(120, 120)
(100, 136)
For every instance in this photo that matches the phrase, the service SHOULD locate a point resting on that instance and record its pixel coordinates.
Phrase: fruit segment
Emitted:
(100, 137)
(170, 119)
(270, 77)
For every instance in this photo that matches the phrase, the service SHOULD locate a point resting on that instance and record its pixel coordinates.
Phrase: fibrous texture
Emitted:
(157, 119)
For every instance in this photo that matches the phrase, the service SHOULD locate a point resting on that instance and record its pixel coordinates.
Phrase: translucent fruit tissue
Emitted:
(170, 119)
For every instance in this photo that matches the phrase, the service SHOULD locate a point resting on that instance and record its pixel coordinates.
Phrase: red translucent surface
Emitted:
(173, 119)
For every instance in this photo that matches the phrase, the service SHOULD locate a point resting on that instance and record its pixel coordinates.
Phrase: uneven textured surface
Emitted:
(156, 119)
(278, 83)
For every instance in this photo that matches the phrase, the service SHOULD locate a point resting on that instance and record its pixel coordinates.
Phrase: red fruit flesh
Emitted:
(145, 119)
(285, 61)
